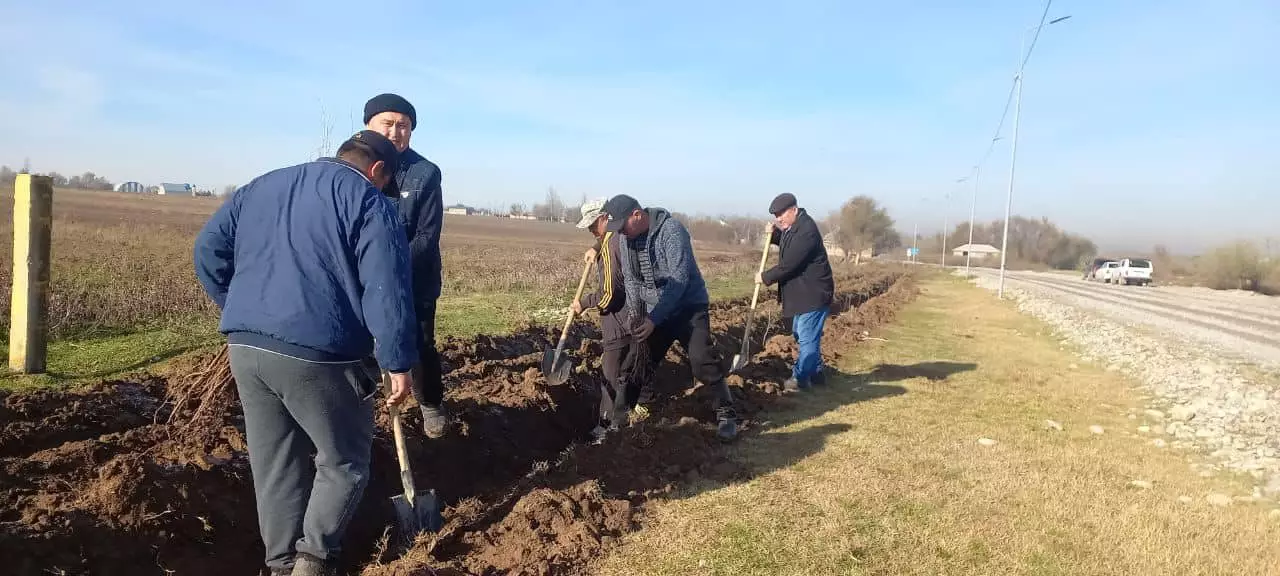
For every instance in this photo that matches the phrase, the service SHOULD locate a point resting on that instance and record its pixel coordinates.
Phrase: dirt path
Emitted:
(106, 480)
(1002, 453)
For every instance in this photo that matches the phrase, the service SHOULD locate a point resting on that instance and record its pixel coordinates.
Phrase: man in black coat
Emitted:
(415, 190)
(805, 285)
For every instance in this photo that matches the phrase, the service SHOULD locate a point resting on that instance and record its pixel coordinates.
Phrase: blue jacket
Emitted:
(662, 276)
(416, 193)
(309, 261)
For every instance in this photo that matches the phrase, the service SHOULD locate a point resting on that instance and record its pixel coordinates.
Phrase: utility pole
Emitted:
(915, 242)
(945, 201)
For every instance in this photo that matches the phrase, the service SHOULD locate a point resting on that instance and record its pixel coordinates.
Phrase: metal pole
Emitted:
(944, 230)
(973, 208)
(1013, 163)
(915, 239)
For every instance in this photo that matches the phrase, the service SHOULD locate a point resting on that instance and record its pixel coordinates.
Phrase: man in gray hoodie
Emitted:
(669, 299)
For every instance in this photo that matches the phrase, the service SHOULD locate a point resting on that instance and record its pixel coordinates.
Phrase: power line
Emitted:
(1013, 85)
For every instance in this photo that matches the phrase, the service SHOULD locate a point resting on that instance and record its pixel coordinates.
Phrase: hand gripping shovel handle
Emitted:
(402, 453)
(564, 332)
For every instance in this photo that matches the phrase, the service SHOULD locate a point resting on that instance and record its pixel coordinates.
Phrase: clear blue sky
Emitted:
(1144, 121)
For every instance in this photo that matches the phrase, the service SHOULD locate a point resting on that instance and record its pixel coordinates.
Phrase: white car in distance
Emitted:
(1132, 271)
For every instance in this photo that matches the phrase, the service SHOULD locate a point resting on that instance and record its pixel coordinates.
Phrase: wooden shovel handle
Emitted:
(764, 257)
(564, 332)
(402, 451)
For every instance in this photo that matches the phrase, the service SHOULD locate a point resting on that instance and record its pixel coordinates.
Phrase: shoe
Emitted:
(793, 385)
(726, 423)
(599, 433)
(819, 377)
(307, 565)
(434, 421)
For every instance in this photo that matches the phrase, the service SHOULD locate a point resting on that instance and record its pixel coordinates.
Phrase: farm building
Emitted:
(459, 210)
(167, 189)
(979, 251)
(134, 187)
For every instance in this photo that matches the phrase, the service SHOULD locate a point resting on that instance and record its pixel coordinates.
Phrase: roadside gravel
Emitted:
(1207, 392)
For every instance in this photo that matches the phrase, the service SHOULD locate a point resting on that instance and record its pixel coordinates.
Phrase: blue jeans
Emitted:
(807, 329)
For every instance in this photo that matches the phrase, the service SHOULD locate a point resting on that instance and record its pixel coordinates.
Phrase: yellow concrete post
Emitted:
(32, 225)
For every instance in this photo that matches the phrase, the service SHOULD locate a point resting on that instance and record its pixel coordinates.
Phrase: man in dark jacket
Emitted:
(311, 270)
(668, 296)
(622, 359)
(415, 190)
(805, 285)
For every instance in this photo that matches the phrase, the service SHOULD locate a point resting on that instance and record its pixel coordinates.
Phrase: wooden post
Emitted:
(32, 226)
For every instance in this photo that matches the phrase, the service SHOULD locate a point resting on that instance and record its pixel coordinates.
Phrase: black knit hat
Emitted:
(390, 103)
(781, 203)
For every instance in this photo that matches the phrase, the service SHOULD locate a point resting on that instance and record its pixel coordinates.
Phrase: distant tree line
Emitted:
(86, 181)
(1031, 241)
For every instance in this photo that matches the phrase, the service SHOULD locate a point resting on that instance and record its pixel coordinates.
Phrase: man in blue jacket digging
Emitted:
(310, 267)
(415, 190)
(666, 291)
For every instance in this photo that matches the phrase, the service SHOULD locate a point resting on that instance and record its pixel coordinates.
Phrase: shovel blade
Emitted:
(555, 368)
(422, 515)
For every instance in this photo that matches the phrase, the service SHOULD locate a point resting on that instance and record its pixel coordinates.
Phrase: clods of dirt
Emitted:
(150, 477)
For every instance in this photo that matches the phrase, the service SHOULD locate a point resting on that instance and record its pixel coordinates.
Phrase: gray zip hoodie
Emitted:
(662, 276)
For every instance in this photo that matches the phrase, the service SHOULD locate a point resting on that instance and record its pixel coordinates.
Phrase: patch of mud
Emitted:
(106, 480)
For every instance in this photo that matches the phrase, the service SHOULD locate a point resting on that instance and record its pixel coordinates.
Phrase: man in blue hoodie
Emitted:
(415, 190)
(310, 267)
(668, 296)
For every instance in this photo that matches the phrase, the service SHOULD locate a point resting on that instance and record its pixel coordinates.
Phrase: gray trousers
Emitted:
(294, 409)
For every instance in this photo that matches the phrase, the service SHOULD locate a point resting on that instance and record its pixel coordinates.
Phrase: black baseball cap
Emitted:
(382, 148)
(781, 203)
(619, 208)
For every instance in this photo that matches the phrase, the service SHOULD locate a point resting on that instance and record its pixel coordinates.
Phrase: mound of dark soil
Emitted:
(107, 479)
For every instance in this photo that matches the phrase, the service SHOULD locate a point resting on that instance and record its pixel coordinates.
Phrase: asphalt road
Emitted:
(1236, 322)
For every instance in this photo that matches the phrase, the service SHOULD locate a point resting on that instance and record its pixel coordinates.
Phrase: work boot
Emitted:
(308, 565)
(820, 377)
(434, 420)
(600, 432)
(793, 385)
(726, 423)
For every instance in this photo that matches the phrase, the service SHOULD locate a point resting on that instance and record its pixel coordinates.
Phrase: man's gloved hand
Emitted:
(645, 330)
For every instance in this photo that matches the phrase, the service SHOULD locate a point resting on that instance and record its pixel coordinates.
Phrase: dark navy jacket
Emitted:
(417, 195)
(310, 261)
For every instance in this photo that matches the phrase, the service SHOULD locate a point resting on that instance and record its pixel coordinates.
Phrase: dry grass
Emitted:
(122, 262)
(906, 489)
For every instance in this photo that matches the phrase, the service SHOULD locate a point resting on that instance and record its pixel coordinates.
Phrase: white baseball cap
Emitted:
(590, 212)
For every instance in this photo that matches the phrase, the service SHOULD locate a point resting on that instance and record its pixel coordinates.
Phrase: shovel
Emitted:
(740, 359)
(555, 365)
(416, 511)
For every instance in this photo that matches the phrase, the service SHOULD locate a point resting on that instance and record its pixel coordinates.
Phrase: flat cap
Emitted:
(781, 203)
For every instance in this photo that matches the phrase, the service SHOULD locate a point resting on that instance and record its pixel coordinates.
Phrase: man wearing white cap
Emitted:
(620, 361)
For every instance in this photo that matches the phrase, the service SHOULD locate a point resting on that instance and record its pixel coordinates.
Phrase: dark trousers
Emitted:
(621, 372)
(292, 410)
(428, 388)
(692, 328)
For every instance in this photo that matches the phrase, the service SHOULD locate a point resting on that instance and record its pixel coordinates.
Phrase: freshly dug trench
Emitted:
(97, 481)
